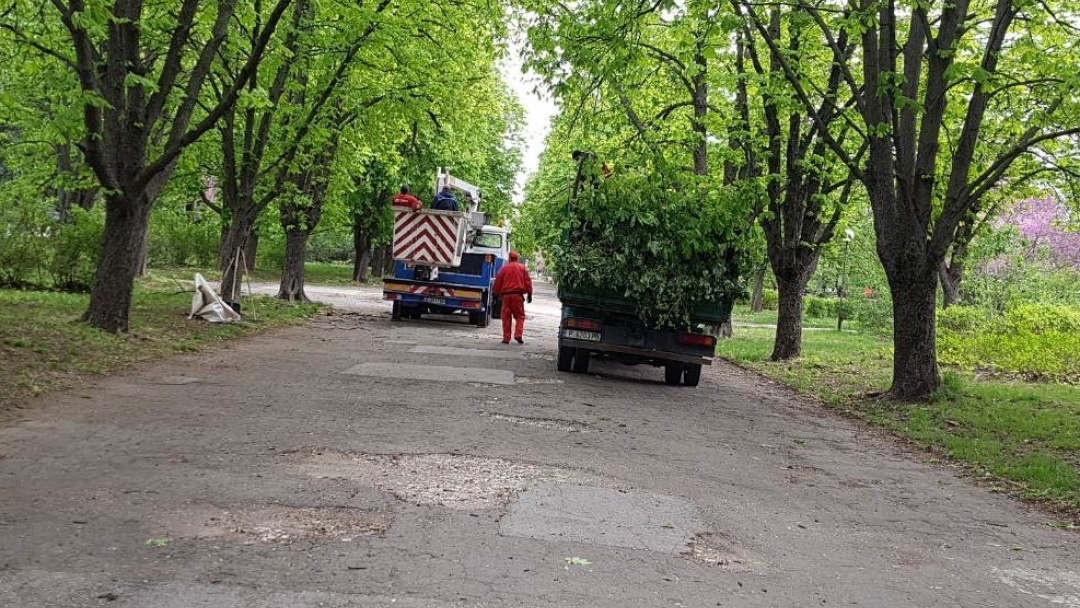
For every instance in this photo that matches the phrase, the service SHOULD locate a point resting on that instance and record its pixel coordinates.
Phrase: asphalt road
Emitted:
(360, 462)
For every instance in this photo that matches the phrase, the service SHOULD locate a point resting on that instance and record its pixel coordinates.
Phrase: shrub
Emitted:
(177, 240)
(1033, 340)
(1042, 318)
(330, 246)
(74, 247)
(770, 299)
(872, 314)
(963, 319)
(819, 308)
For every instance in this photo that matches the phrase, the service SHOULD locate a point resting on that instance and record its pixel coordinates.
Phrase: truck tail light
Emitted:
(698, 340)
(389, 296)
(470, 305)
(580, 323)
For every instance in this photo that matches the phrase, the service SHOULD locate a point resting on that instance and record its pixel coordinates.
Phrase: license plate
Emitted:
(439, 301)
(577, 334)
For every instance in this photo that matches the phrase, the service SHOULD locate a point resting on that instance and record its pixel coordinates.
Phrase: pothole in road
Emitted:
(451, 480)
(554, 424)
(715, 550)
(283, 525)
(523, 380)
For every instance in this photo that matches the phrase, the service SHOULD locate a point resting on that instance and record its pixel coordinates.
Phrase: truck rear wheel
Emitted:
(480, 318)
(692, 374)
(581, 361)
(566, 358)
(673, 372)
(395, 311)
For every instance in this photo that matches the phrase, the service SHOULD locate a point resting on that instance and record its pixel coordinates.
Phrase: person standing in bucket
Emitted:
(514, 286)
(405, 199)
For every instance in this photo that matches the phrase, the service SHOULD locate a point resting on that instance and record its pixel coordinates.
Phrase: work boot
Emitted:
(505, 341)
(520, 340)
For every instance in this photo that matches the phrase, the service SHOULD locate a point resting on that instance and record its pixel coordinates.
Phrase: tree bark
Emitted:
(361, 248)
(126, 224)
(950, 277)
(915, 369)
(793, 269)
(292, 275)
(788, 341)
(757, 297)
(239, 236)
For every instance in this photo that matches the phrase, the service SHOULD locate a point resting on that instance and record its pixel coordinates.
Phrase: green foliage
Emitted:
(667, 249)
(817, 307)
(330, 246)
(770, 299)
(1034, 340)
(177, 240)
(73, 250)
(38, 251)
(872, 314)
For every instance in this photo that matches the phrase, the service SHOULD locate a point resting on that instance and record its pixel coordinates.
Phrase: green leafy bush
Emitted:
(966, 320)
(23, 233)
(73, 250)
(176, 239)
(330, 246)
(770, 299)
(1032, 340)
(816, 307)
(872, 314)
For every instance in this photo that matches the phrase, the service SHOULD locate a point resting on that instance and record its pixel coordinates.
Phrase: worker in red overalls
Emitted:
(404, 199)
(514, 286)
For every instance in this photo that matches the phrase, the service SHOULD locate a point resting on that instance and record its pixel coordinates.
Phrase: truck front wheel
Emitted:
(566, 358)
(692, 374)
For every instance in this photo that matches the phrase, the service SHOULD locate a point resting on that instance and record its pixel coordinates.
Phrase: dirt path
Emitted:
(359, 462)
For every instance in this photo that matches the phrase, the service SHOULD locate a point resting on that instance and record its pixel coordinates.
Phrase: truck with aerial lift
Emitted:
(445, 262)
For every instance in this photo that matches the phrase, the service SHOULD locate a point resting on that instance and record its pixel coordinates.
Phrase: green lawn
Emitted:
(43, 346)
(315, 273)
(1023, 437)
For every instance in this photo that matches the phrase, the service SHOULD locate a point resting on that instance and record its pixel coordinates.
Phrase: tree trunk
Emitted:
(793, 269)
(126, 225)
(292, 275)
(915, 369)
(757, 297)
(361, 248)
(950, 277)
(388, 260)
(239, 236)
(788, 341)
(68, 198)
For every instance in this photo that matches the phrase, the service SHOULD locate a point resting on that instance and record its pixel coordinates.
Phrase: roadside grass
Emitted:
(742, 314)
(1021, 438)
(334, 274)
(43, 346)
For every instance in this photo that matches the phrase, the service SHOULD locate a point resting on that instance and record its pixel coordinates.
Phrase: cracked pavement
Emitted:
(357, 462)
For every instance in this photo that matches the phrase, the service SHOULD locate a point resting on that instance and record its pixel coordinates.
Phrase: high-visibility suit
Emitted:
(513, 285)
(407, 200)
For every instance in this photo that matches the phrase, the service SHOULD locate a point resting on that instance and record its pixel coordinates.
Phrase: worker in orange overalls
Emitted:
(404, 199)
(514, 286)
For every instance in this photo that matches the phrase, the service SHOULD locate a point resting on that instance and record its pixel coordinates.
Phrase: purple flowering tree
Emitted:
(1050, 235)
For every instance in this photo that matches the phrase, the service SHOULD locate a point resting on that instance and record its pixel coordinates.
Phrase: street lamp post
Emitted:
(841, 292)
